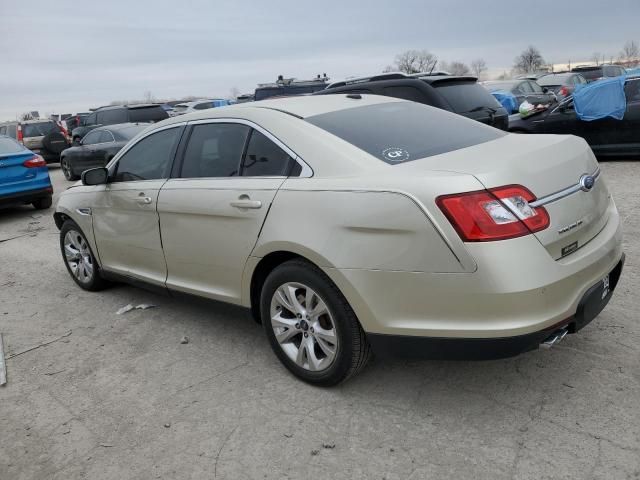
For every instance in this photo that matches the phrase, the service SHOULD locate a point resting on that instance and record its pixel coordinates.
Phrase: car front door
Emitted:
(125, 218)
(211, 213)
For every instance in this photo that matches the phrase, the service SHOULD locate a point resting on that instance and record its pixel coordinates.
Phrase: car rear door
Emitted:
(211, 213)
(125, 218)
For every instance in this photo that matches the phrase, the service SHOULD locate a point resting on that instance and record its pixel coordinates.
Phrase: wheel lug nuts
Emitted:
(311, 329)
(298, 315)
(306, 334)
(297, 325)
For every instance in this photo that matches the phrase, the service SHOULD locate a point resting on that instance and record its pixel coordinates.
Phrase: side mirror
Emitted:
(95, 176)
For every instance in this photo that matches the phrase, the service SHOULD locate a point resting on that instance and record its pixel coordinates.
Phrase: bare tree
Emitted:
(415, 61)
(478, 67)
(630, 53)
(595, 57)
(458, 68)
(529, 61)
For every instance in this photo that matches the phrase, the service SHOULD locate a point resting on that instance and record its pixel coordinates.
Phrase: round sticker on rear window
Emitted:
(395, 154)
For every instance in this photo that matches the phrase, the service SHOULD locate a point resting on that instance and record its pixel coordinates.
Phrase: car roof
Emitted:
(130, 107)
(298, 106)
(121, 126)
(433, 79)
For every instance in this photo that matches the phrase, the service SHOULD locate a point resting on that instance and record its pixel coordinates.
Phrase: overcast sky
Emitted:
(66, 56)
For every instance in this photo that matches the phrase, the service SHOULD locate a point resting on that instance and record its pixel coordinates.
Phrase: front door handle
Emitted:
(143, 199)
(245, 202)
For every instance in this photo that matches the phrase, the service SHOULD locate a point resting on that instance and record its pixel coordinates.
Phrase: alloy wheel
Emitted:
(304, 326)
(78, 256)
(66, 168)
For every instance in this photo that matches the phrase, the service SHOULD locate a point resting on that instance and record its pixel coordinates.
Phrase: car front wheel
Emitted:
(79, 259)
(310, 326)
(67, 170)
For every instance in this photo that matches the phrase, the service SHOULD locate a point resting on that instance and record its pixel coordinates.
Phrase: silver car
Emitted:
(355, 223)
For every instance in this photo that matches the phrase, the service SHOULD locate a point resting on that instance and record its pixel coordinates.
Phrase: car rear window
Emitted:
(9, 145)
(591, 74)
(466, 97)
(148, 114)
(38, 129)
(128, 133)
(399, 132)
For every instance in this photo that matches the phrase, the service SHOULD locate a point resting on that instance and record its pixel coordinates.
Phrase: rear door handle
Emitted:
(245, 202)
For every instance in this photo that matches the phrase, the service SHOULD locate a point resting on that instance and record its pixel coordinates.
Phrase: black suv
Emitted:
(462, 95)
(118, 114)
(602, 71)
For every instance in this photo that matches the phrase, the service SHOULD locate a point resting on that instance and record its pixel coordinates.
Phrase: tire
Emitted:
(350, 349)
(84, 259)
(67, 169)
(43, 203)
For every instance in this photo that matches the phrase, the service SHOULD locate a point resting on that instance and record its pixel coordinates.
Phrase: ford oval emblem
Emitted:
(587, 182)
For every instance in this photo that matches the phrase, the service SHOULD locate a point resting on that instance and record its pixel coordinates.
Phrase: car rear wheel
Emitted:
(310, 326)
(79, 259)
(42, 203)
(67, 170)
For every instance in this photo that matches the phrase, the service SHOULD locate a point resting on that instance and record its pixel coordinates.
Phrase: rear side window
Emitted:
(151, 114)
(12, 131)
(406, 93)
(88, 120)
(38, 129)
(400, 132)
(149, 159)
(92, 138)
(9, 145)
(466, 97)
(214, 150)
(203, 106)
(111, 117)
(265, 158)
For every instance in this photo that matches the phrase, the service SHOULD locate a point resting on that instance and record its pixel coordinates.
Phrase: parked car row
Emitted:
(43, 137)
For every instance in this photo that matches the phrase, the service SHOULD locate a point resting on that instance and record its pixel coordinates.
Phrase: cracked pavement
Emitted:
(121, 397)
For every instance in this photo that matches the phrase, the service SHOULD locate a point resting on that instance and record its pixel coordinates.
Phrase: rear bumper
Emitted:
(402, 346)
(27, 196)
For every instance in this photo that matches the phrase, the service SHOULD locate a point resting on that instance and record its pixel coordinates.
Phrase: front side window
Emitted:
(111, 117)
(535, 87)
(150, 158)
(400, 132)
(264, 158)
(88, 120)
(92, 138)
(214, 150)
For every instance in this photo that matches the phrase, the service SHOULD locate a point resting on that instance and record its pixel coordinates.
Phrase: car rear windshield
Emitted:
(9, 145)
(147, 114)
(591, 74)
(399, 132)
(466, 97)
(38, 129)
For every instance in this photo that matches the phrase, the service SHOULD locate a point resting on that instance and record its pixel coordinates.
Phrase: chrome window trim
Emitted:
(564, 192)
(113, 139)
(306, 171)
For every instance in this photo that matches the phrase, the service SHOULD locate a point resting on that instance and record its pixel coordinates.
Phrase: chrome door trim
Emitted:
(306, 172)
(564, 192)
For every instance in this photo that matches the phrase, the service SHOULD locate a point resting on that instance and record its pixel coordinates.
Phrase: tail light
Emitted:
(564, 91)
(35, 162)
(19, 133)
(494, 214)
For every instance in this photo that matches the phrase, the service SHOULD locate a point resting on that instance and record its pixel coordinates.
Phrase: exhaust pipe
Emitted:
(555, 338)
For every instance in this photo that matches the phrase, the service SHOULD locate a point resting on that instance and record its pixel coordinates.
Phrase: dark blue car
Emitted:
(24, 176)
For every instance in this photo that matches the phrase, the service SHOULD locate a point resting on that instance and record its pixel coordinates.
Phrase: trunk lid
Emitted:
(551, 167)
(12, 170)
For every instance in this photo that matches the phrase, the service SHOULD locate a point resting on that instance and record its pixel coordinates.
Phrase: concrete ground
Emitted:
(119, 396)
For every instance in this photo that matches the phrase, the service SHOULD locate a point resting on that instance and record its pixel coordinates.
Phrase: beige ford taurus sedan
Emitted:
(354, 223)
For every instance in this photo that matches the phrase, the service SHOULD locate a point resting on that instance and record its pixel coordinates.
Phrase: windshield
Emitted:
(400, 132)
(38, 129)
(467, 97)
(9, 145)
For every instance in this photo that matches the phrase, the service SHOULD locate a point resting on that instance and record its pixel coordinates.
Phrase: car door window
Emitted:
(150, 158)
(106, 137)
(111, 117)
(12, 131)
(202, 106)
(264, 158)
(535, 87)
(632, 91)
(92, 138)
(88, 120)
(214, 150)
(524, 87)
(3, 130)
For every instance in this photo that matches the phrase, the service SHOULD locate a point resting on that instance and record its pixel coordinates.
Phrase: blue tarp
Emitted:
(507, 100)
(601, 99)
